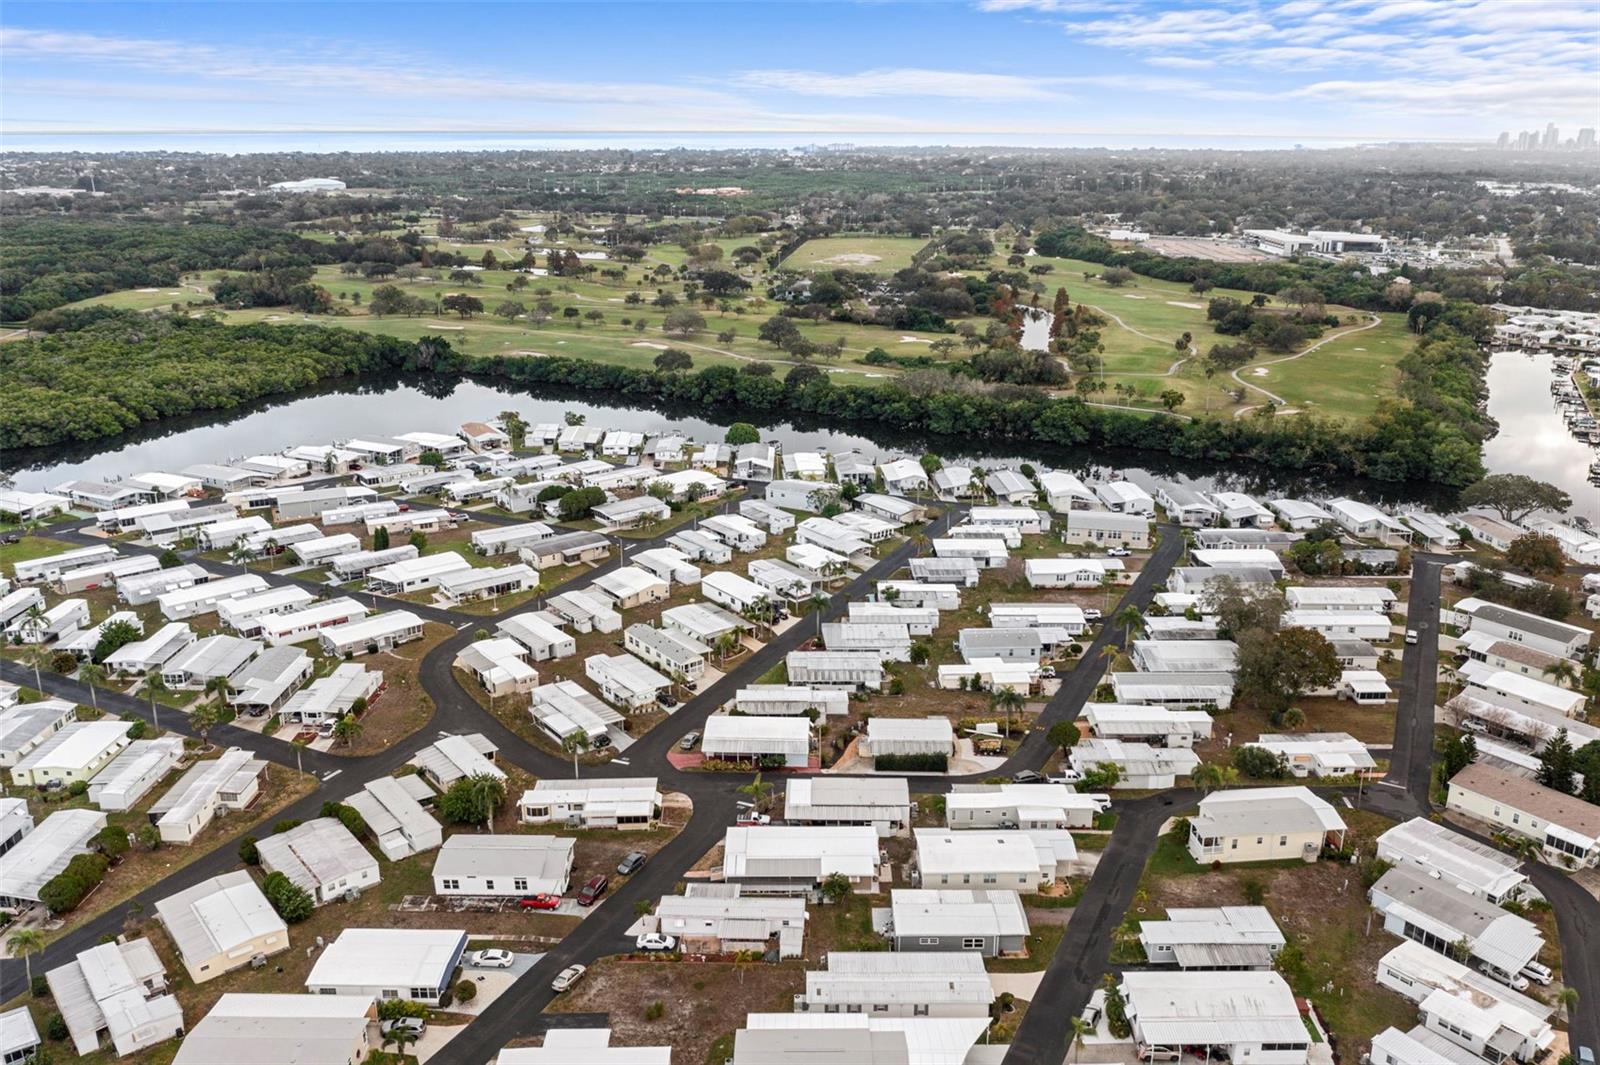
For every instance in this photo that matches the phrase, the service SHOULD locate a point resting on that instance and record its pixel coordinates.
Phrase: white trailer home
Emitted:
(891, 643)
(141, 656)
(790, 700)
(1018, 806)
(1125, 497)
(296, 626)
(243, 615)
(220, 536)
(416, 574)
(104, 574)
(380, 631)
(616, 802)
(625, 681)
(499, 665)
(212, 658)
(669, 564)
(358, 564)
(884, 803)
(204, 598)
(849, 670)
(916, 594)
(632, 586)
(358, 513)
(668, 650)
(808, 497)
(585, 611)
(475, 584)
(567, 549)
(984, 553)
(1366, 522)
(51, 567)
(919, 621)
(769, 517)
(785, 739)
(565, 708)
(733, 591)
(1186, 506)
(405, 522)
(503, 539)
(542, 640)
(1107, 528)
(331, 697)
(833, 537)
(60, 622)
(324, 549)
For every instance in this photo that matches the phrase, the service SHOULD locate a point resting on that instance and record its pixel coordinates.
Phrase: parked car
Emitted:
(1118, 552)
(1048, 673)
(655, 941)
(1585, 1056)
(414, 1025)
(631, 862)
(567, 977)
(1091, 613)
(1472, 724)
(541, 901)
(325, 729)
(1494, 972)
(1101, 800)
(590, 893)
(1065, 775)
(1539, 974)
(751, 819)
(1026, 776)
(492, 959)
(1411, 636)
(688, 742)
(1151, 1053)
(666, 700)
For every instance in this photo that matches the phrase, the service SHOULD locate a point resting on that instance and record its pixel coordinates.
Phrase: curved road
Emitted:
(1073, 972)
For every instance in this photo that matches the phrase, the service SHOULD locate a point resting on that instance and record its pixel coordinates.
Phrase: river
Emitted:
(1533, 439)
(386, 406)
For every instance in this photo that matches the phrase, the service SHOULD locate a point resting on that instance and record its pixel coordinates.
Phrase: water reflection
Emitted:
(1533, 438)
(389, 405)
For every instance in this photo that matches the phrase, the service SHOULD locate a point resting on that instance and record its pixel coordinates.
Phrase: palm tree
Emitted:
(1008, 700)
(38, 656)
(575, 743)
(725, 645)
(1561, 672)
(346, 730)
(489, 792)
(1206, 777)
(218, 686)
(1567, 999)
(758, 790)
(1080, 1029)
(1128, 619)
(241, 555)
(26, 942)
(91, 674)
(155, 686)
(203, 718)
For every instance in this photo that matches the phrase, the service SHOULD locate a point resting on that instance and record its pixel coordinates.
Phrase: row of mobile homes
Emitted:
(50, 568)
(243, 615)
(204, 598)
(1417, 907)
(104, 574)
(1464, 1009)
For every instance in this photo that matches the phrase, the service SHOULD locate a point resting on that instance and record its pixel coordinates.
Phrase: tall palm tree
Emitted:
(758, 790)
(346, 730)
(26, 942)
(1007, 700)
(38, 656)
(203, 718)
(154, 685)
(1080, 1029)
(575, 743)
(1567, 999)
(1206, 777)
(91, 675)
(1561, 672)
(1128, 619)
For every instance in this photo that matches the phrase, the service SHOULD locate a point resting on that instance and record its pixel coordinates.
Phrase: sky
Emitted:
(1232, 73)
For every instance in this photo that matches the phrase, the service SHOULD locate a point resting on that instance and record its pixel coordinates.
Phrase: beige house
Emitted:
(1263, 825)
(1565, 826)
(220, 924)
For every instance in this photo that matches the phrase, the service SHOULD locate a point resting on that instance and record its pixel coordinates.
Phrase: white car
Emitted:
(1412, 636)
(1091, 613)
(568, 977)
(492, 959)
(1118, 552)
(414, 1025)
(1065, 775)
(655, 941)
(1101, 800)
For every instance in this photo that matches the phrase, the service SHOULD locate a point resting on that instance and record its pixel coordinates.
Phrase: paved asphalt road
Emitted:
(1074, 971)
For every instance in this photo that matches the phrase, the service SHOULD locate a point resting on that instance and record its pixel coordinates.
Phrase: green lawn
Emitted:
(867, 254)
(27, 549)
(1348, 376)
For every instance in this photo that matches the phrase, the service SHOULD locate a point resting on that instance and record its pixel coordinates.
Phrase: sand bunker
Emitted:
(915, 340)
(1259, 371)
(648, 344)
(1191, 306)
(850, 258)
(1131, 296)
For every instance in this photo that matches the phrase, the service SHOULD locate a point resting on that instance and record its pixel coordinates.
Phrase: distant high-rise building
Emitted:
(1504, 142)
(1552, 136)
(1586, 137)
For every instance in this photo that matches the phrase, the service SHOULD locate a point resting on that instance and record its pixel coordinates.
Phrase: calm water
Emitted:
(1533, 439)
(398, 405)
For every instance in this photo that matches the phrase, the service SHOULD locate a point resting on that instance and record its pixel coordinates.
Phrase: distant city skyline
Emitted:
(1048, 73)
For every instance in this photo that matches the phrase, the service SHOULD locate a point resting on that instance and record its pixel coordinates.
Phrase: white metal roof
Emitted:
(1221, 1008)
(314, 853)
(218, 915)
(951, 911)
(388, 957)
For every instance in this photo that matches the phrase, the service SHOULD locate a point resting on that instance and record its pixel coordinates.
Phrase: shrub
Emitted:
(63, 662)
(1255, 892)
(137, 729)
(912, 763)
(655, 1011)
(112, 842)
(291, 901)
(70, 886)
(466, 991)
(285, 825)
(39, 986)
(1259, 762)
(55, 1026)
(249, 854)
(78, 788)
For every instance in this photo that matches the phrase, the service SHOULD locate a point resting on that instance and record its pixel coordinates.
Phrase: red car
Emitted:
(540, 902)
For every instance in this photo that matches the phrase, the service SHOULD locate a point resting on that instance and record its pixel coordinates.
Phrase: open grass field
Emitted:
(1347, 377)
(870, 254)
(195, 287)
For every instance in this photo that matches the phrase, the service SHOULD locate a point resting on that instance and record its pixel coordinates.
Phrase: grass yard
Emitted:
(1331, 956)
(1347, 377)
(27, 549)
(866, 254)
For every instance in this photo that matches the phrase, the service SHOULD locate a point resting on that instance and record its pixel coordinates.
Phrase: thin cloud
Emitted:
(901, 82)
